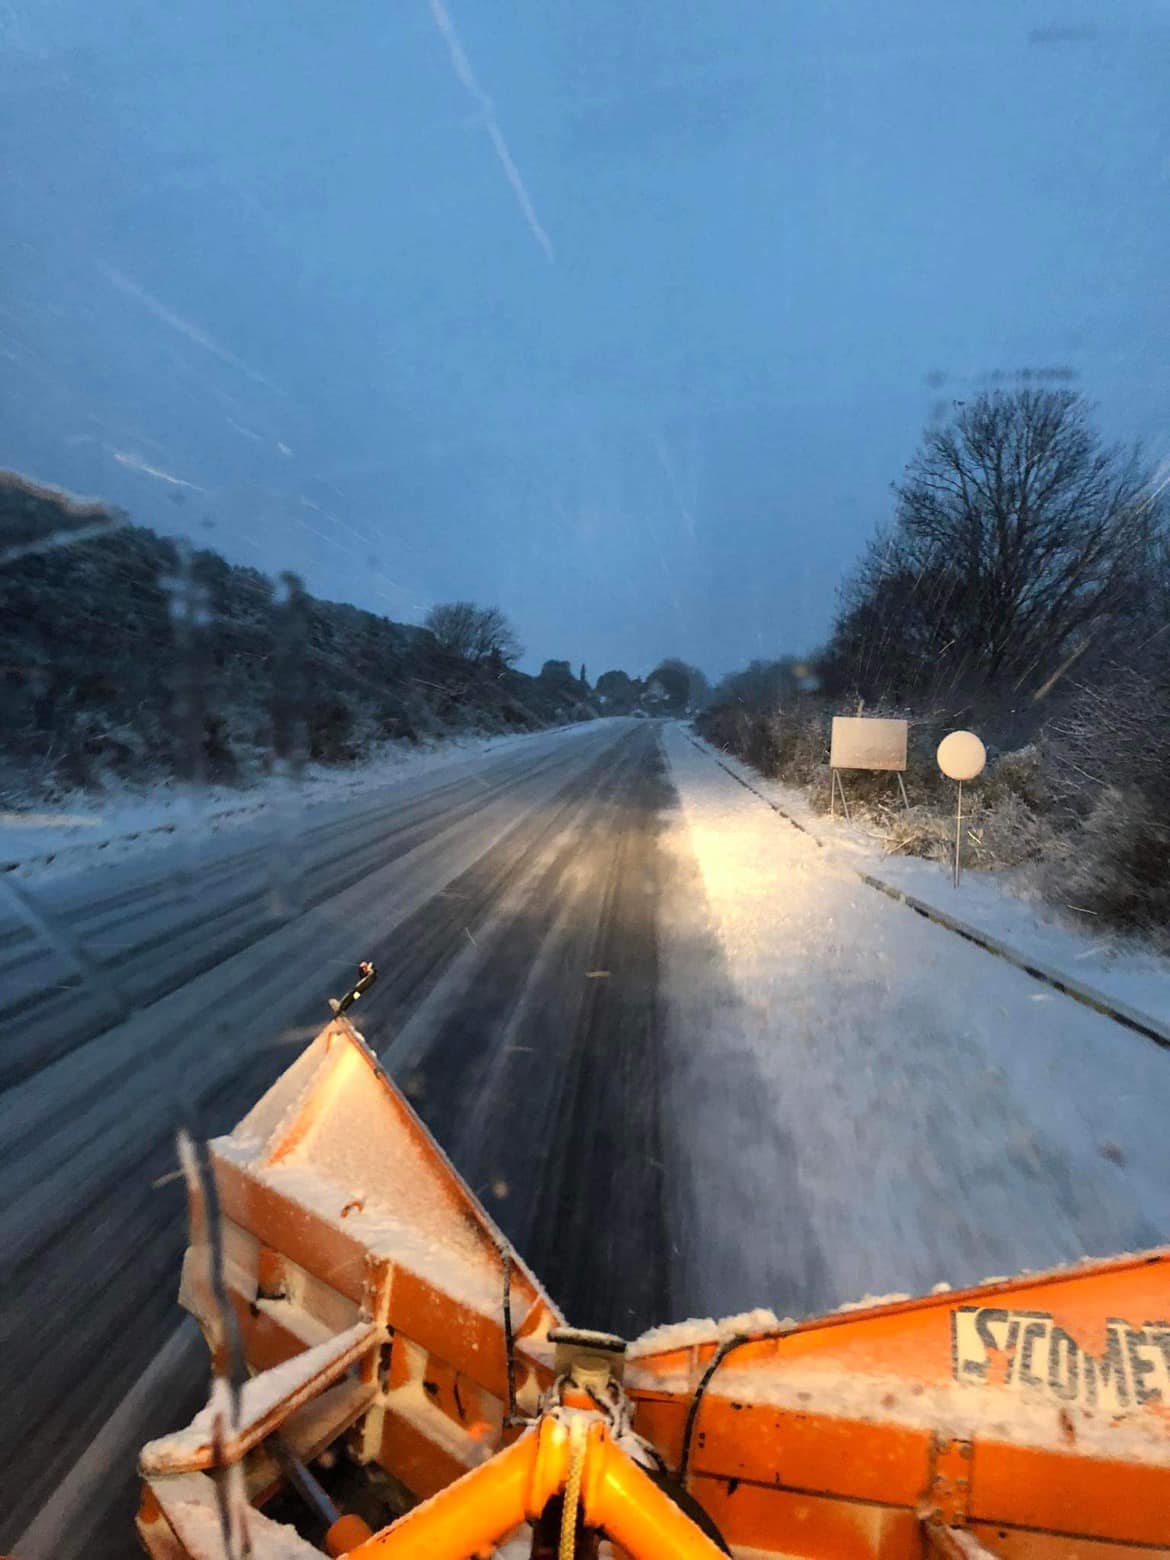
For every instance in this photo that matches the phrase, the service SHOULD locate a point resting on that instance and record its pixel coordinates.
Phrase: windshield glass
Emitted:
(519, 494)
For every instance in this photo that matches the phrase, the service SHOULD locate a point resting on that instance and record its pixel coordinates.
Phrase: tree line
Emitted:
(131, 655)
(127, 654)
(484, 637)
(1020, 584)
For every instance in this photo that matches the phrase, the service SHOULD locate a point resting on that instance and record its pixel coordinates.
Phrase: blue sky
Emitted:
(623, 317)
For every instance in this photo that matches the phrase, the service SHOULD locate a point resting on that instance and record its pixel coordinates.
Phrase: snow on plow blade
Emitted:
(414, 1392)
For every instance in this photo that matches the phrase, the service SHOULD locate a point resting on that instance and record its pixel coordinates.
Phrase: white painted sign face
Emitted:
(860, 742)
(961, 756)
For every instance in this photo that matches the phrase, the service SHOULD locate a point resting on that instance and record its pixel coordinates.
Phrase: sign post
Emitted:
(961, 756)
(865, 742)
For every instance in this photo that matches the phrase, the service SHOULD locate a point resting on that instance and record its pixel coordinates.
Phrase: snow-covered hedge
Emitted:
(125, 655)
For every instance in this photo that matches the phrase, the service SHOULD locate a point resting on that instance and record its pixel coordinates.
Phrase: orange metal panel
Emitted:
(799, 1524)
(399, 1373)
(913, 1338)
(326, 1252)
(1064, 1493)
(1077, 1362)
(662, 1421)
(889, 1463)
(265, 1342)
(1025, 1544)
(347, 1057)
(472, 1343)
(271, 1273)
(456, 1396)
(415, 1460)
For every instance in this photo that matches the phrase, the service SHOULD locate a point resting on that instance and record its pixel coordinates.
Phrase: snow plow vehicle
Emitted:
(390, 1380)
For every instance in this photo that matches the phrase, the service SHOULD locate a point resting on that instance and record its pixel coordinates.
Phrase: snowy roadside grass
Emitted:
(874, 1104)
(84, 831)
(1007, 905)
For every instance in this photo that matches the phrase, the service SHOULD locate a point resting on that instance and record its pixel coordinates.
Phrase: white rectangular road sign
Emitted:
(862, 742)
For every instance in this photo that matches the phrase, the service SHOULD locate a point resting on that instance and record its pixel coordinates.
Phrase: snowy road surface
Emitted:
(690, 1064)
(891, 1106)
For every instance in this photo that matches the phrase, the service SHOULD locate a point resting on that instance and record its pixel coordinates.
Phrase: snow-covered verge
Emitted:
(859, 1100)
(1003, 905)
(126, 821)
(1077, 816)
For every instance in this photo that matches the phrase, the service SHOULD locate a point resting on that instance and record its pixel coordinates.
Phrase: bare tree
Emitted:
(478, 634)
(1019, 541)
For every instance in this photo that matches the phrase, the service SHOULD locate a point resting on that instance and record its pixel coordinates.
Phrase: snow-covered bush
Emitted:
(1108, 759)
(1005, 825)
(1115, 733)
(1117, 864)
(789, 743)
(921, 831)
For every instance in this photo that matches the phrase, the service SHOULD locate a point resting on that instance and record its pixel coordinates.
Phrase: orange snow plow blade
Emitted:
(414, 1392)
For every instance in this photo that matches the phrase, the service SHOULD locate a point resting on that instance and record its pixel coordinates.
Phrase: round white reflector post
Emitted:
(961, 756)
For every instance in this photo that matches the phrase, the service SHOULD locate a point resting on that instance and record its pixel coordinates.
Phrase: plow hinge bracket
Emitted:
(949, 1492)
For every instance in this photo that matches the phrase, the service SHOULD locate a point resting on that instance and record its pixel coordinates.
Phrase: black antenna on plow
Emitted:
(367, 975)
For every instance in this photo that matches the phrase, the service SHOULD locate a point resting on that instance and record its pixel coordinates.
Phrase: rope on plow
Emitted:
(578, 1431)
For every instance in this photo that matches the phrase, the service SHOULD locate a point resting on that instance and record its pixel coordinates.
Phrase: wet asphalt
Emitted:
(511, 911)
